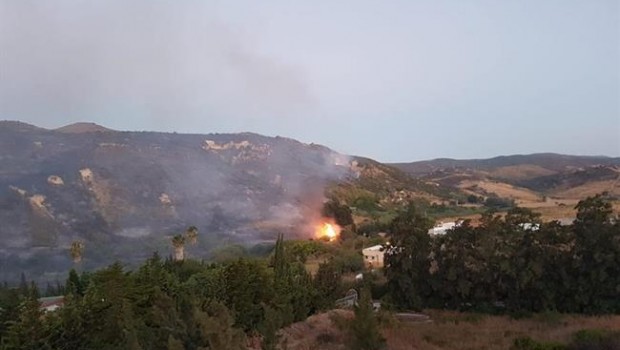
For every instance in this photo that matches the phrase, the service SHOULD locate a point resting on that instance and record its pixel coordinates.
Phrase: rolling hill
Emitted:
(126, 193)
(538, 164)
(546, 182)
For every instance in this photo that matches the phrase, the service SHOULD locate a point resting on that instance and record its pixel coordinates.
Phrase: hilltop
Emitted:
(78, 128)
(551, 183)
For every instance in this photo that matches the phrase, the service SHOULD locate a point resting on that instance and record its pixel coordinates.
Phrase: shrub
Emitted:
(595, 339)
(527, 343)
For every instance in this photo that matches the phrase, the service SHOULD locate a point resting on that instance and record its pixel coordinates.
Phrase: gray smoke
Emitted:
(162, 60)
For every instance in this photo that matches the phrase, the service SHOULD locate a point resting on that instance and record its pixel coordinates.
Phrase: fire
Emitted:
(327, 230)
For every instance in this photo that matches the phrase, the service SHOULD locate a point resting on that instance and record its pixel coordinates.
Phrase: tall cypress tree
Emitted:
(279, 259)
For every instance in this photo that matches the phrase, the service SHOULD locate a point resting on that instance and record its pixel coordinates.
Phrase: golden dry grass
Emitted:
(590, 189)
(504, 190)
(462, 331)
(449, 330)
(318, 332)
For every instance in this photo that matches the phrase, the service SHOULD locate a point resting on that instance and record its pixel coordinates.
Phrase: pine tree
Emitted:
(406, 259)
(327, 285)
(215, 327)
(269, 328)
(364, 327)
(28, 332)
(74, 284)
(279, 259)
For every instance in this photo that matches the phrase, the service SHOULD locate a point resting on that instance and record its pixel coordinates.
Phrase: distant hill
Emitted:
(525, 178)
(544, 162)
(126, 193)
(78, 128)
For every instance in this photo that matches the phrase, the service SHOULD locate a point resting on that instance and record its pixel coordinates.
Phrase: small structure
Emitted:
(51, 303)
(349, 300)
(529, 226)
(373, 256)
(442, 227)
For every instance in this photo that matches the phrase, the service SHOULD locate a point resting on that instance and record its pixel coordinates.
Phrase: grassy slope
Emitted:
(454, 330)
(450, 330)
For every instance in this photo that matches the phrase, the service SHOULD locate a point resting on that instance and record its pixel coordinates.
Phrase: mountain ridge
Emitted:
(560, 160)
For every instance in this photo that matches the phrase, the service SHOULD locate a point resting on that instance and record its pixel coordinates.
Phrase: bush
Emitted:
(595, 339)
(499, 203)
(349, 261)
(527, 343)
(550, 317)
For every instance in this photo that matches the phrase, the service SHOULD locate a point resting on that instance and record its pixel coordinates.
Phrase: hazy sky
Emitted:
(393, 80)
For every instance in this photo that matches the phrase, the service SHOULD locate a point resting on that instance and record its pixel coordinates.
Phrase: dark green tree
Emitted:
(215, 328)
(341, 213)
(280, 263)
(596, 256)
(74, 284)
(364, 327)
(28, 332)
(328, 285)
(407, 260)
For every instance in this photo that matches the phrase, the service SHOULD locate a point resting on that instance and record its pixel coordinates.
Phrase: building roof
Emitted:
(374, 248)
(52, 301)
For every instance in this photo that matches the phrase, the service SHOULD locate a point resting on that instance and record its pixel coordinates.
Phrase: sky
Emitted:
(391, 80)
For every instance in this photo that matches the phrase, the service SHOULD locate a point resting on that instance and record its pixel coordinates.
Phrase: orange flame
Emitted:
(328, 231)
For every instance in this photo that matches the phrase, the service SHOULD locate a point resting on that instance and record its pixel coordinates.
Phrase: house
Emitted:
(529, 226)
(373, 256)
(51, 303)
(443, 227)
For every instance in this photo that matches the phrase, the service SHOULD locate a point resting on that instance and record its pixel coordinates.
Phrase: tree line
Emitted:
(513, 263)
(169, 304)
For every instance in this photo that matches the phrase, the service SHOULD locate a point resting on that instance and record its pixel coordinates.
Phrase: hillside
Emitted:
(83, 128)
(548, 183)
(522, 176)
(125, 193)
(539, 164)
(447, 330)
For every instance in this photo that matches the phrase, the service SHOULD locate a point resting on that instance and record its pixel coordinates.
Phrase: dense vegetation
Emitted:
(513, 263)
(585, 339)
(168, 304)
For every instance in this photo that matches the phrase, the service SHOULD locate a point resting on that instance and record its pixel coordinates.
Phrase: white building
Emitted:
(48, 304)
(373, 256)
(528, 226)
(442, 227)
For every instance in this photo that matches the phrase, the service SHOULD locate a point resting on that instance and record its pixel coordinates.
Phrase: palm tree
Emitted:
(77, 250)
(178, 242)
(192, 234)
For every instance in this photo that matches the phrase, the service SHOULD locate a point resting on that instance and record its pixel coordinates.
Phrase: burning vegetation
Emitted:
(328, 231)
